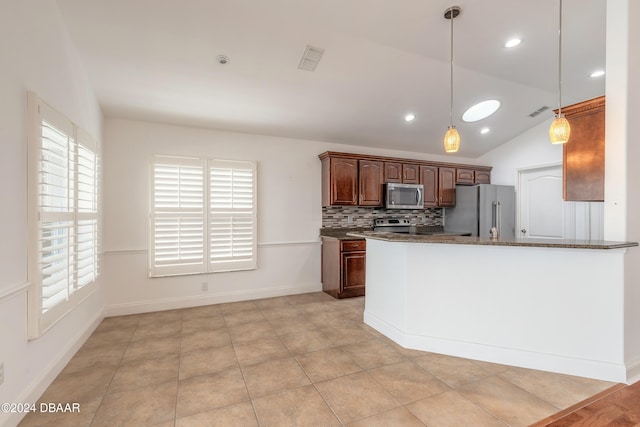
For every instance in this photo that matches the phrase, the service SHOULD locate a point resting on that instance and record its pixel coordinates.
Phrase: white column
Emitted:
(622, 158)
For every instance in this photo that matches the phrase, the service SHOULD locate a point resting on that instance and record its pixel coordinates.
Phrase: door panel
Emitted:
(354, 269)
(447, 186)
(344, 181)
(429, 179)
(410, 174)
(371, 177)
(543, 213)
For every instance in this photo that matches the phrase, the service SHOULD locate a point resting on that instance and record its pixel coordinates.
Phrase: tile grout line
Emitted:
(93, 419)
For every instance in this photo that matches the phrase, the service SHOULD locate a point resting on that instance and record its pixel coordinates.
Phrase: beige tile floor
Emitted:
(301, 360)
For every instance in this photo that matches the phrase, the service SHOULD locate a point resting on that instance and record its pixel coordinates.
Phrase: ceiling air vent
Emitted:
(310, 58)
(538, 111)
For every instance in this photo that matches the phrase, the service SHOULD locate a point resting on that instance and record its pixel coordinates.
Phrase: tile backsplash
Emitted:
(347, 216)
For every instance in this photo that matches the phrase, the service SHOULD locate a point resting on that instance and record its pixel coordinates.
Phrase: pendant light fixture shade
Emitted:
(451, 138)
(560, 129)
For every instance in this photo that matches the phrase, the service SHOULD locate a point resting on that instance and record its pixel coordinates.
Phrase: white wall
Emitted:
(622, 175)
(36, 55)
(289, 214)
(528, 150)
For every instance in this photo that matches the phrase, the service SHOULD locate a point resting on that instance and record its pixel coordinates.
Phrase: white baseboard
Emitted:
(507, 356)
(46, 376)
(208, 299)
(633, 372)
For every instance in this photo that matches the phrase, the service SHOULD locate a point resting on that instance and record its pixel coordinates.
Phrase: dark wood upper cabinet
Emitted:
(482, 177)
(447, 187)
(465, 176)
(392, 172)
(410, 174)
(429, 180)
(357, 179)
(439, 186)
(405, 173)
(370, 182)
(468, 176)
(339, 181)
(583, 154)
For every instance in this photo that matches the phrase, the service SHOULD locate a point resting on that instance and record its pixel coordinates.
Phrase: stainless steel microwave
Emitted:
(404, 196)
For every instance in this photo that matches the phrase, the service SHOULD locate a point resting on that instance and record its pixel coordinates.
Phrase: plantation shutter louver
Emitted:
(203, 216)
(55, 208)
(232, 215)
(63, 194)
(177, 216)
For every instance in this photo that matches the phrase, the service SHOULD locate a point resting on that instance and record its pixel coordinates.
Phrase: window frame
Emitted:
(80, 188)
(207, 213)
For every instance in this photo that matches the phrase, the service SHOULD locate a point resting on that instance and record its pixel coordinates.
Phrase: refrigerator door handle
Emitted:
(494, 214)
(498, 217)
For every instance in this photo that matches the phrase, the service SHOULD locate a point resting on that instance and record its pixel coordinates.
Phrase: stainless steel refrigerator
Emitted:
(481, 207)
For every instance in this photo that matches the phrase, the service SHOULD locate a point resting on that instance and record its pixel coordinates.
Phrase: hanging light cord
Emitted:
(559, 62)
(451, 76)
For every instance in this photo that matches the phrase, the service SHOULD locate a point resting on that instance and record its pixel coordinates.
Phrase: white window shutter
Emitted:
(203, 216)
(177, 216)
(232, 215)
(63, 198)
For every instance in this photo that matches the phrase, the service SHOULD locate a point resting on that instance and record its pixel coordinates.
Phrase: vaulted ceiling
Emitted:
(156, 60)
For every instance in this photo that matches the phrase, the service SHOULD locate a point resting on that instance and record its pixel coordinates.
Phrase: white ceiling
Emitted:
(156, 60)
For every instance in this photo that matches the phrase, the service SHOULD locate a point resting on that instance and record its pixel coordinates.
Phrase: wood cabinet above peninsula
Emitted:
(583, 155)
(357, 179)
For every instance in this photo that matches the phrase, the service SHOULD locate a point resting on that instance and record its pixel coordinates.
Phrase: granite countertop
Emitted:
(345, 232)
(341, 233)
(470, 240)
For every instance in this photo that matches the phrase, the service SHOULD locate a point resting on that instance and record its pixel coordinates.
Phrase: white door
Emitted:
(542, 213)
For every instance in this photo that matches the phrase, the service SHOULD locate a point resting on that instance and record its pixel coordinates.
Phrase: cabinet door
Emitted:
(371, 174)
(344, 181)
(447, 187)
(353, 270)
(465, 176)
(392, 172)
(482, 177)
(583, 155)
(429, 179)
(410, 174)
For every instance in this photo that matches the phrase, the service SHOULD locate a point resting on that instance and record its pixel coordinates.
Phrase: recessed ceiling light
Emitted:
(481, 110)
(597, 73)
(513, 42)
(409, 117)
(485, 130)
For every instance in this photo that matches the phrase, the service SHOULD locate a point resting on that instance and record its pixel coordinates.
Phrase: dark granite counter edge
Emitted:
(481, 241)
(343, 233)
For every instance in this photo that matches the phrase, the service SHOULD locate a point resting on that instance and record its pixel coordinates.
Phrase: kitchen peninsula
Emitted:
(555, 305)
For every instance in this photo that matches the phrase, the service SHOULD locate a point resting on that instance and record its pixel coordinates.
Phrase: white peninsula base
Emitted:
(554, 309)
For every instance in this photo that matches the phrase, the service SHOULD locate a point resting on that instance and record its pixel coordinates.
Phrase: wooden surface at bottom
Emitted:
(616, 406)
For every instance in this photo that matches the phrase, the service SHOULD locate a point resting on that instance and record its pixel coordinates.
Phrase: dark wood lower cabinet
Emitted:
(343, 267)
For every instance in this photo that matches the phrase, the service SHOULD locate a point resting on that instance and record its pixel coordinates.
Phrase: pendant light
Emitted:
(451, 138)
(560, 129)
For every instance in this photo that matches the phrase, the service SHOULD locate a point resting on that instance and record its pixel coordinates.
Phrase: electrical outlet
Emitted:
(1, 373)
(205, 286)
(349, 219)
